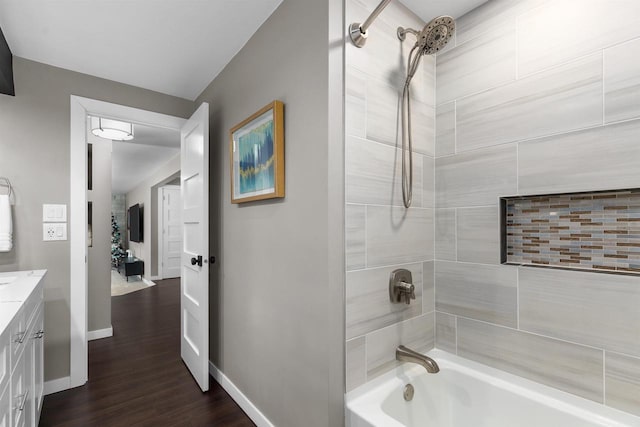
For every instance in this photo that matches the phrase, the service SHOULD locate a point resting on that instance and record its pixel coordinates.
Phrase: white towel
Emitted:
(6, 224)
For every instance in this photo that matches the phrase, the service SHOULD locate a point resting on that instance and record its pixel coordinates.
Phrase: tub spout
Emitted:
(404, 354)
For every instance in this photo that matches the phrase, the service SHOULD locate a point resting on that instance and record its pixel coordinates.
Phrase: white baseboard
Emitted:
(100, 333)
(249, 408)
(152, 278)
(57, 385)
(148, 282)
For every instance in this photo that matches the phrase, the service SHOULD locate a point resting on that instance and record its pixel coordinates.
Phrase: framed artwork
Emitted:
(257, 155)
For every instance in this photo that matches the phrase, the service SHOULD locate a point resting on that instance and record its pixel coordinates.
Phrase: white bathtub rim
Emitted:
(367, 399)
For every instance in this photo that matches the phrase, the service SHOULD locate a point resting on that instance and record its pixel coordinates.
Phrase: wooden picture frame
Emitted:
(256, 149)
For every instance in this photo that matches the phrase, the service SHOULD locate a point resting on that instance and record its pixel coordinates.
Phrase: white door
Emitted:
(171, 231)
(194, 286)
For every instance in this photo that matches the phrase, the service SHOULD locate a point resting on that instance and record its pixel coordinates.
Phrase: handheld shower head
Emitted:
(436, 34)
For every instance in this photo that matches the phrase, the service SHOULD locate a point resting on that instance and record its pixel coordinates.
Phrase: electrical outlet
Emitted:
(53, 232)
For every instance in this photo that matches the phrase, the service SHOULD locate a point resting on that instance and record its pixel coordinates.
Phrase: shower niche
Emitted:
(594, 231)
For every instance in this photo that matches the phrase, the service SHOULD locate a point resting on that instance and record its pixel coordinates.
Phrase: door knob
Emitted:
(212, 260)
(198, 261)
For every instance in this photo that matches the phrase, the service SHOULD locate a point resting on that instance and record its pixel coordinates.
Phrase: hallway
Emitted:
(136, 377)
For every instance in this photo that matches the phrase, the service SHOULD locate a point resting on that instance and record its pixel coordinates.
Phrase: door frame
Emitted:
(80, 108)
(160, 228)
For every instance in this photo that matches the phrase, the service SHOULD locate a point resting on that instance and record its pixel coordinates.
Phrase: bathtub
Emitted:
(468, 394)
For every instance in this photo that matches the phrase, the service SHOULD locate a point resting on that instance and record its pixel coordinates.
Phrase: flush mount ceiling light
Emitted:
(111, 129)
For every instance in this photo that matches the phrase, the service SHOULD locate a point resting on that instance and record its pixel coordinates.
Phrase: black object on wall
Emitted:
(135, 223)
(6, 67)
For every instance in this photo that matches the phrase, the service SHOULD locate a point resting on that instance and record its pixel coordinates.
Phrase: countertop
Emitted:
(14, 294)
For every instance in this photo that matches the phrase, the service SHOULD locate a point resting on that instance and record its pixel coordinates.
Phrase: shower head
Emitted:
(433, 37)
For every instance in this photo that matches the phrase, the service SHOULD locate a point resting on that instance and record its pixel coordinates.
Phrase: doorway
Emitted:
(169, 231)
(194, 148)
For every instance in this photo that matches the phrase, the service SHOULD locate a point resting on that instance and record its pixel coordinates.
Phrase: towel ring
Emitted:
(4, 182)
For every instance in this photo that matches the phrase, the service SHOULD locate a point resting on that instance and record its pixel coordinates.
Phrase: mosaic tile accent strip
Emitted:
(597, 231)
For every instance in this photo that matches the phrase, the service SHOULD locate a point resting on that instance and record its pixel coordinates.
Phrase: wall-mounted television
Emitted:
(135, 223)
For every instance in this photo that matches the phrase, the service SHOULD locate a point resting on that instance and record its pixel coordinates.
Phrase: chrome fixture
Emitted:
(408, 392)
(404, 354)
(111, 129)
(401, 286)
(358, 31)
(433, 37)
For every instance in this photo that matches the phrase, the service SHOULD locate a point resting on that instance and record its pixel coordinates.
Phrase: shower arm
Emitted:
(358, 32)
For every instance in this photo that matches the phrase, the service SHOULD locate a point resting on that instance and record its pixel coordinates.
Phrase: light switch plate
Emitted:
(54, 232)
(54, 213)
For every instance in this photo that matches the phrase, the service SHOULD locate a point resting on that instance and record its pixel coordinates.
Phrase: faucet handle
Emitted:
(409, 293)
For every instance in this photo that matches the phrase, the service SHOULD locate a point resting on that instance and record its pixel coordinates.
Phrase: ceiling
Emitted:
(429, 9)
(175, 47)
(134, 161)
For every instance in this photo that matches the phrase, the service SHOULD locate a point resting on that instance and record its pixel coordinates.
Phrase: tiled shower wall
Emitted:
(537, 97)
(381, 235)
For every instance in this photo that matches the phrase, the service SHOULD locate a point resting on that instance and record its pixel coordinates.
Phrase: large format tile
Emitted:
(481, 292)
(482, 63)
(356, 369)
(428, 287)
(622, 382)
(573, 28)
(559, 100)
(398, 235)
(374, 174)
(476, 178)
(445, 129)
(446, 332)
(622, 82)
(445, 234)
(478, 234)
(491, 15)
(570, 367)
(384, 118)
(428, 181)
(602, 158)
(368, 304)
(416, 333)
(590, 308)
(355, 103)
(354, 236)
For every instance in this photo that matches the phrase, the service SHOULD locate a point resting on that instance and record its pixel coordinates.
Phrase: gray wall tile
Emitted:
(368, 305)
(446, 332)
(356, 369)
(445, 234)
(573, 368)
(482, 292)
(445, 129)
(428, 181)
(484, 62)
(355, 103)
(428, 287)
(396, 235)
(602, 158)
(478, 233)
(354, 237)
(558, 100)
(590, 308)
(622, 82)
(491, 15)
(622, 382)
(374, 174)
(476, 178)
(416, 333)
(595, 24)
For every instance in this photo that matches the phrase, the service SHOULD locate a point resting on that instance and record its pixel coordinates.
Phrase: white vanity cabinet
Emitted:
(21, 349)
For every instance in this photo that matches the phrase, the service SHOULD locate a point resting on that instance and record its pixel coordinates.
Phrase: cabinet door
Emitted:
(38, 365)
(19, 392)
(29, 356)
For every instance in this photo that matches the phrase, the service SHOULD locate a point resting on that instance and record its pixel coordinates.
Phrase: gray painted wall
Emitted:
(146, 194)
(35, 156)
(99, 254)
(381, 235)
(517, 117)
(276, 306)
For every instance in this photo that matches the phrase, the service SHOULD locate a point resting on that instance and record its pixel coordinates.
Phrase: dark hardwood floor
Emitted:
(136, 377)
